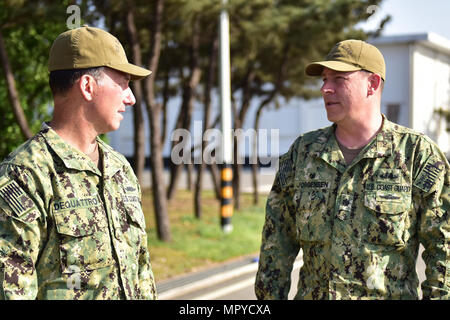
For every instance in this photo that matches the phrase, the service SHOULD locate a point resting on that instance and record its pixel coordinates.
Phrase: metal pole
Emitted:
(226, 208)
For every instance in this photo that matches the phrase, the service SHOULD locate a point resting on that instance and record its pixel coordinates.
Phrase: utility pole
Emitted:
(226, 204)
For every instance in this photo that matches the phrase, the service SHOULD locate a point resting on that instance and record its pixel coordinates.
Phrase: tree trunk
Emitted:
(215, 177)
(138, 117)
(237, 168)
(238, 123)
(164, 106)
(207, 110)
(278, 86)
(154, 112)
(189, 175)
(13, 95)
(214, 168)
(255, 180)
(184, 120)
(255, 157)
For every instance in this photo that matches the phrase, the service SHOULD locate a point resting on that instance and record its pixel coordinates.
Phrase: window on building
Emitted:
(393, 112)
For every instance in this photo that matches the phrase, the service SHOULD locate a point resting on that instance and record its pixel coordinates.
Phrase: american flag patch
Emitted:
(16, 198)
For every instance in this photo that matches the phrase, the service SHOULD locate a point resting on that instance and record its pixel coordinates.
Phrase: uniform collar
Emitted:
(328, 149)
(110, 159)
(77, 160)
(380, 146)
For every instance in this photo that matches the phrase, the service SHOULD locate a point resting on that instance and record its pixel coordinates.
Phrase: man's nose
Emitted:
(129, 98)
(326, 88)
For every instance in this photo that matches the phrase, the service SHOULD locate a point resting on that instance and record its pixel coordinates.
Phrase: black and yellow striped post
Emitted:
(226, 208)
(226, 203)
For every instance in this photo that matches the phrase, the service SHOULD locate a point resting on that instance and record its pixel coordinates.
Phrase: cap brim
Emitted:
(134, 71)
(316, 68)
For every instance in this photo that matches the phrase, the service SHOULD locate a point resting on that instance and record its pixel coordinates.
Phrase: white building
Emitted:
(418, 83)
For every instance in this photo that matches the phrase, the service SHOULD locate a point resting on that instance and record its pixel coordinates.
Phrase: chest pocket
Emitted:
(84, 239)
(384, 221)
(312, 220)
(130, 223)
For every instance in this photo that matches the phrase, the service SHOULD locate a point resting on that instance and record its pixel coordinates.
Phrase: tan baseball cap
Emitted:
(351, 55)
(88, 47)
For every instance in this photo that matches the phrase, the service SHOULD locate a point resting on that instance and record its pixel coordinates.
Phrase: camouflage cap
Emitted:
(351, 55)
(88, 47)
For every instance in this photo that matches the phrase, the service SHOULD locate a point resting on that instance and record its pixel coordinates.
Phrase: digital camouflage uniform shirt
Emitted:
(69, 230)
(360, 225)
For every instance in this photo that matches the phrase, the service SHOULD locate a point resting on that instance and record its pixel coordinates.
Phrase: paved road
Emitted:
(234, 282)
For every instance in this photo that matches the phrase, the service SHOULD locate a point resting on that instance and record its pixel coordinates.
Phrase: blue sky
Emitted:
(412, 16)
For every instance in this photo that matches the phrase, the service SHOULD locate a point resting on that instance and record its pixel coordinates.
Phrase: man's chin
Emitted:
(334, 116)
(116, 124)
(115, 127)
(331, 117)
(110, 128)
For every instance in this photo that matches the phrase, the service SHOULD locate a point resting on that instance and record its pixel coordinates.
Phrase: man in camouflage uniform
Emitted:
(71, 222)
(357, 197)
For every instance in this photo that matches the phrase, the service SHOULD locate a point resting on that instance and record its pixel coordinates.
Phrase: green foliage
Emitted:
(28, 28)
(271, 40)
(275, 40)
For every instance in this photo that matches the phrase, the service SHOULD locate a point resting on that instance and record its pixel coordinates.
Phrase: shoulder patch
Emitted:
(285, 170)
(430, 175)
(16, 198)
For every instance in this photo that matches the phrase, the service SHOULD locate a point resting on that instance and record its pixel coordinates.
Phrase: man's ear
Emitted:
(374, 84)
(87, 85)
